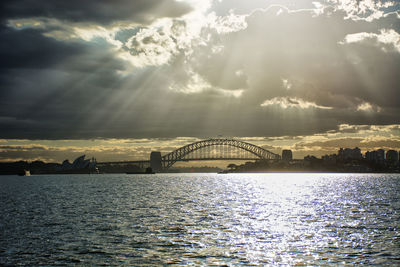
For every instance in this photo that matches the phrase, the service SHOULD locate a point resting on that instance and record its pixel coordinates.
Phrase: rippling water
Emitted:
(234, 219)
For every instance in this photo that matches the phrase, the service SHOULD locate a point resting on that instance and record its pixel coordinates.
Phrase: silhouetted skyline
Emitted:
(119, 80)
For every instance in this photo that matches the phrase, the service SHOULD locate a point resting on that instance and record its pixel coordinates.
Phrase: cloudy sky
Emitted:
(118, 79)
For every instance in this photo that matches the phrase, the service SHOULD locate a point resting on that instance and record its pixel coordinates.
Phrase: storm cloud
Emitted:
(93, 11)
(150, 69)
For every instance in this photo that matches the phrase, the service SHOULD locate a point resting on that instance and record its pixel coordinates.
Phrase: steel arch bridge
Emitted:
(181, 154)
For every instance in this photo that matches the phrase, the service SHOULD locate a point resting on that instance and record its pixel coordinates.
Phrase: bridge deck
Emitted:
(124, 162)
(185, 160)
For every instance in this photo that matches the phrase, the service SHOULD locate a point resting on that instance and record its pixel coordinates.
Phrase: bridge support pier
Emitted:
(155, 161)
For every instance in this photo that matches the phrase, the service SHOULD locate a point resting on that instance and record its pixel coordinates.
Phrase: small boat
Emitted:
(25, 173)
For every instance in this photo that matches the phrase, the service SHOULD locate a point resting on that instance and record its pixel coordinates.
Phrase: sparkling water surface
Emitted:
(200, 219)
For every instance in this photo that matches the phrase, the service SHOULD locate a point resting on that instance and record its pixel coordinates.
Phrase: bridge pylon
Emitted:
(155, 161)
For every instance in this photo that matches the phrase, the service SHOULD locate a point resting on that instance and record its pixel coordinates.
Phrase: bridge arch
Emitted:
(171, 158)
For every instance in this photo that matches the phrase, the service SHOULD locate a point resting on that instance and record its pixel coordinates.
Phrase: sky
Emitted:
(118, 79)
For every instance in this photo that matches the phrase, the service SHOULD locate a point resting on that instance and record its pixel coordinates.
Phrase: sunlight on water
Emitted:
(243, 219)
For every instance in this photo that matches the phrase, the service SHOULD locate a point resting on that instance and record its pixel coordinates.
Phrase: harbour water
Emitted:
(231, 219)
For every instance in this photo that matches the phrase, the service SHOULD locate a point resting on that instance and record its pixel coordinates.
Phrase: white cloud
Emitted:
(365, 106)
(356, 37)
(232, 93)
(152, 46)
(390, 37)
(287, 84)
(62, 31)
(387, 37)
(159, 42)
(197, 84)
(318, 8)
(288, 102)
(227, 24)
(367, 10)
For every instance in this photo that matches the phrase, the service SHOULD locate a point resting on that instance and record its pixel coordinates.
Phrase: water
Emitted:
(207, 219)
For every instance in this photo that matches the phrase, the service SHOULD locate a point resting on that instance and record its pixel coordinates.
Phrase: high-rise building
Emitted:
(376, 156)
(349, 153)
(381, 155)
(287, 155)
(371, 156)
(392, 157)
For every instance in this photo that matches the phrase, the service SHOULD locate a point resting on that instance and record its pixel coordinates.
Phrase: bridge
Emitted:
(210, 149)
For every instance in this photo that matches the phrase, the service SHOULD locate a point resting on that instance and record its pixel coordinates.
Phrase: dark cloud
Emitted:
(93, 11)
(57, 154)
(334, 144)
(75, 89)
(47, 85)
(28, 48)
(384, 143)
(351, 129)
(22, 148)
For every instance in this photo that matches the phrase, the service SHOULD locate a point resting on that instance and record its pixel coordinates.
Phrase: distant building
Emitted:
(329, 159)
(78, 164)
(381, 155)
(371, 156)
(376, 156)
(310, 161)
(287, 155)
(348, 153)
(392, 157)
